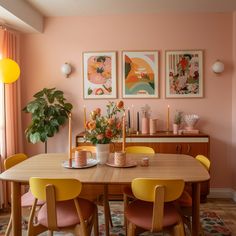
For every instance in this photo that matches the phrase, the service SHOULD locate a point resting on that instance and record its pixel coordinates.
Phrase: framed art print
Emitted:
(184, 74)
(140, 74)
(99, 75)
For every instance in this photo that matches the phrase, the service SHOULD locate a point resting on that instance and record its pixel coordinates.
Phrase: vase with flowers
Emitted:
(101, 130)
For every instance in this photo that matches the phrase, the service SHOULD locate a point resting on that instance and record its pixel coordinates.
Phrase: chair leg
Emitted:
(125, 200)
(50, 233)
(131, 229)
(8, 230)
(179, 229)
(109, 212)
(95, 223)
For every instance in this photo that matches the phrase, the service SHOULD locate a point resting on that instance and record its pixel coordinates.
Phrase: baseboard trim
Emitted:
(222, 193)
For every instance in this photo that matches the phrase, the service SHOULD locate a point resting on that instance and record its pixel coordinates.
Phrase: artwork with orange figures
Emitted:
(140, 74)
(99, 74)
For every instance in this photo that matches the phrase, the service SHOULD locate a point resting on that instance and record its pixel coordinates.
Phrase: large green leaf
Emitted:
(34, 137)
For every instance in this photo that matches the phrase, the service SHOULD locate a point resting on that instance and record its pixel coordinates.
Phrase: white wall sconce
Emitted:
(218, 67)
(66, 69)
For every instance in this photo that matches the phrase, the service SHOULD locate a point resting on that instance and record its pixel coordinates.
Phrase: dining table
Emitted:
(161, 166)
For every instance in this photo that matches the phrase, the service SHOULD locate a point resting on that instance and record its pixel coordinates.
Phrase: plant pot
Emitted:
(102, 152)
(175, 128)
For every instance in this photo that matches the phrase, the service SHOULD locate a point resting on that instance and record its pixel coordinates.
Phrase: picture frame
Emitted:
(99, 75)
(184, 74)
(140, 74)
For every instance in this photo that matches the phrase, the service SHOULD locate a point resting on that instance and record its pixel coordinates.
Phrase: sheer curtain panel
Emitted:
(11, 130)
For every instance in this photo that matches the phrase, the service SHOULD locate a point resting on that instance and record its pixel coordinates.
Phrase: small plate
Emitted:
(90, 162)
(128, 163)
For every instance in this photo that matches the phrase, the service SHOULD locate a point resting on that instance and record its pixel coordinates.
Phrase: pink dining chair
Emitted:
(27, 199)
(64, 209)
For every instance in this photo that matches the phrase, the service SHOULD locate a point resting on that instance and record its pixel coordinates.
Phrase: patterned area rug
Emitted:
(212, 224)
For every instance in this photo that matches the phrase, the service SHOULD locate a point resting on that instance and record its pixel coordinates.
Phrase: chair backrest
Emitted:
(140, 149)
(51, 191)
(157, 191)
(14, 160)
(65, 189)
(86, 148)
(204, 161)
(144, 189)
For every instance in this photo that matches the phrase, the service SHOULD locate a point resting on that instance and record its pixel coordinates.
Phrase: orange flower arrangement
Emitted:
(103, 129)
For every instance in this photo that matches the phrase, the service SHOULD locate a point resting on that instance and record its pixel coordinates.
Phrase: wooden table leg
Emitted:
(106, 208)
(16, 208)
(196, 209)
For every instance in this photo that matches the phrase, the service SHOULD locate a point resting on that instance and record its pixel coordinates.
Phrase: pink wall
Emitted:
(65, 39)
(1, 39)
(233, 159)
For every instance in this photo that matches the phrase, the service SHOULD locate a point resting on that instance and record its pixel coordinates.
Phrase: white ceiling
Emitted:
(13, 13)
(86, 7)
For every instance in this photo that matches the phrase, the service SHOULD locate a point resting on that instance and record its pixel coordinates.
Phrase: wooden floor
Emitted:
(226, 209)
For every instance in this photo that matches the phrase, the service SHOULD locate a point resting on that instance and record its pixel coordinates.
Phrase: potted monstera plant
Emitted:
(49, 110)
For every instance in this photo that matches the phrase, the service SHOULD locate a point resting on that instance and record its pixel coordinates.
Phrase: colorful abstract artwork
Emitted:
(184, 75)
(99, 74)
(140, 74)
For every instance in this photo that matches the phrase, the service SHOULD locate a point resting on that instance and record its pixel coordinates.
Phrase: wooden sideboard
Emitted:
(167, 142)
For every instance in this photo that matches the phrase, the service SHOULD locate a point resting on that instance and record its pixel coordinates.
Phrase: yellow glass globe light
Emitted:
(9, 71)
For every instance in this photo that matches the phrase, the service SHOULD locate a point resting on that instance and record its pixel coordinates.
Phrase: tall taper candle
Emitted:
(70, 141)
(84, 117)
(123, 133)
(132, 118)
(137, 121)
(168, 118)
(129, 118)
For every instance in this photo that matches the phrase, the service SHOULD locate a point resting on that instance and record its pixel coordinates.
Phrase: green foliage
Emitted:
(178, 117)
(49, 110)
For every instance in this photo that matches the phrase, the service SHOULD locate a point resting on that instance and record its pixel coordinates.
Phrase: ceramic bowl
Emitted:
(191, 120)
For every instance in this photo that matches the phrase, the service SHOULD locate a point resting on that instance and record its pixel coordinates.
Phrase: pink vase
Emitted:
(145, 125)
(152, 126)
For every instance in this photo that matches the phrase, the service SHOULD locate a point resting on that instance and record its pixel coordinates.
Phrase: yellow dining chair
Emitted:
(27, 199)
(127, 191)
(185, 200)
(63, 209)
(86, 148)
(154, 210)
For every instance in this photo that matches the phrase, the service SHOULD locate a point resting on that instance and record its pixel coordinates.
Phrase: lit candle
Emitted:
(70, 141)
(129, 118)
(123, 132)
(132, 118)
(168, 118)
(84, 116)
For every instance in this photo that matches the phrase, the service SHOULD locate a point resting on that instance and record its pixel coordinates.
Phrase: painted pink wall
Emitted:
(233, 155)
(65, 39)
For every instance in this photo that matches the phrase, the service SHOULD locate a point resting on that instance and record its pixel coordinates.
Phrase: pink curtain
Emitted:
(12, 130)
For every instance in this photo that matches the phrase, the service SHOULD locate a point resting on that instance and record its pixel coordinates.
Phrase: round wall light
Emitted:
(218, 67)
(66, 69)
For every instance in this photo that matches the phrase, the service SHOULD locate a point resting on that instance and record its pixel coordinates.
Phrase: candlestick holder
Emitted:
(138, 132)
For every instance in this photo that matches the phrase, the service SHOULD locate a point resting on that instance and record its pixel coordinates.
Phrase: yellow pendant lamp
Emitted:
(9, 71)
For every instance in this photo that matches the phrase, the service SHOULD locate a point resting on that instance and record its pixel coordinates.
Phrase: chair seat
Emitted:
(185, 200)
(27, 200)
(128, 191)
(66, 212)
(140, 213)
